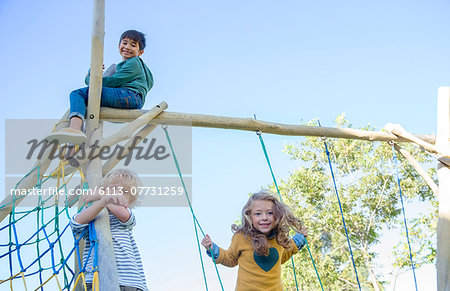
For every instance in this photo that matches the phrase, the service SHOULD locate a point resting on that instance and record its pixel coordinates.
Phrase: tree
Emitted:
(369, 194)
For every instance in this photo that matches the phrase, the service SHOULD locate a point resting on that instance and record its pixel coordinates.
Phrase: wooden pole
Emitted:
(111, 163)
(400, 131)
(443, 228)
(419, 169)
(94, 130)
(250, 124)
(126, 132)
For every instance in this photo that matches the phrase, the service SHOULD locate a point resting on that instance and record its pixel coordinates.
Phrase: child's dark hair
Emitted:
(284, 220)
(136, 36)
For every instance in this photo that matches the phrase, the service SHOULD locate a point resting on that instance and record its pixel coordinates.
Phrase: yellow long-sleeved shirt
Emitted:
(256, 273)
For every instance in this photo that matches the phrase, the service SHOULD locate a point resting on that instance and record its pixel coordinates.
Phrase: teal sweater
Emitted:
(131, 74)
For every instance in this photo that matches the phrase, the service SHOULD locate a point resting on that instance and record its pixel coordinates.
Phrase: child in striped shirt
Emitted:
(119, 182)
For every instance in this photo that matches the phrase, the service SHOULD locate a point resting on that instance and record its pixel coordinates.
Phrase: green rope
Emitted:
(40, 203)
(196, 222)
(281, 199)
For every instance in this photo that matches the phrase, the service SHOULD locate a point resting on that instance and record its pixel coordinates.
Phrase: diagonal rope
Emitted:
(394, 157)
(340, 207)
(196, 222)
(281, 199)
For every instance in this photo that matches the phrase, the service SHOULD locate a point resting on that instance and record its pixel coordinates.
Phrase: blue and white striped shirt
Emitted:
(128, 260)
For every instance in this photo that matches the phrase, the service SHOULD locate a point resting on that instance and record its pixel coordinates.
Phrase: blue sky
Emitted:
(287, 62)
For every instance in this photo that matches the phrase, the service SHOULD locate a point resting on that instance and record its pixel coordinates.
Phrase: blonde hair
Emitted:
(284, 221)
(130, 181)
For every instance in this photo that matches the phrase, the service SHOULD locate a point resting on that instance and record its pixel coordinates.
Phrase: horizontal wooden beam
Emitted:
(249, 124)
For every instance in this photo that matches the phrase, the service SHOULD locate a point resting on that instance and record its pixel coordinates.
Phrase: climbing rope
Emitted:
(196, 222)
(340, 207)
(259, 134)
(53, 253)
(394, 157)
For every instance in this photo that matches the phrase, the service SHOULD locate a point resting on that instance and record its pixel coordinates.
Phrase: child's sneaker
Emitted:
(67, 135)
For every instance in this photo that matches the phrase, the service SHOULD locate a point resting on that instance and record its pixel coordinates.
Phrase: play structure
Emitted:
(50, 257)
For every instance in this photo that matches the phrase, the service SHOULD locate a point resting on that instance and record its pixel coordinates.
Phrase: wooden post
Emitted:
(94, 130)
(400, 131)
(443, 228)
(418, 169)
(111, 163)
(250, 124)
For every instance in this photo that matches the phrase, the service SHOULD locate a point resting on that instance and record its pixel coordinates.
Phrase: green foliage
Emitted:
(368, 191)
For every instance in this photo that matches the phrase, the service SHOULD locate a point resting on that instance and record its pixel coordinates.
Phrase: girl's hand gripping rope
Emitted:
(208, 244)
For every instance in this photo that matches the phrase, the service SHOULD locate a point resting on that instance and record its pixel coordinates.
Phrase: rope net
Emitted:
(34, 239)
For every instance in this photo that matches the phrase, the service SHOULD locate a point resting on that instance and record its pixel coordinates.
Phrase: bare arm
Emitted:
(120, 212)
(88, 214)
(115, 203)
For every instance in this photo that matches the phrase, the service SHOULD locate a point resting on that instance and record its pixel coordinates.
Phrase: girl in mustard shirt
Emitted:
(261, 243)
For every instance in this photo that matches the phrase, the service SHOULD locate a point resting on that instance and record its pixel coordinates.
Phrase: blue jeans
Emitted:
(111, 97)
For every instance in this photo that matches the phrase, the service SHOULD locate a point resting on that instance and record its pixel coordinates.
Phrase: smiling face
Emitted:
(129, 48)
(262, 216)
